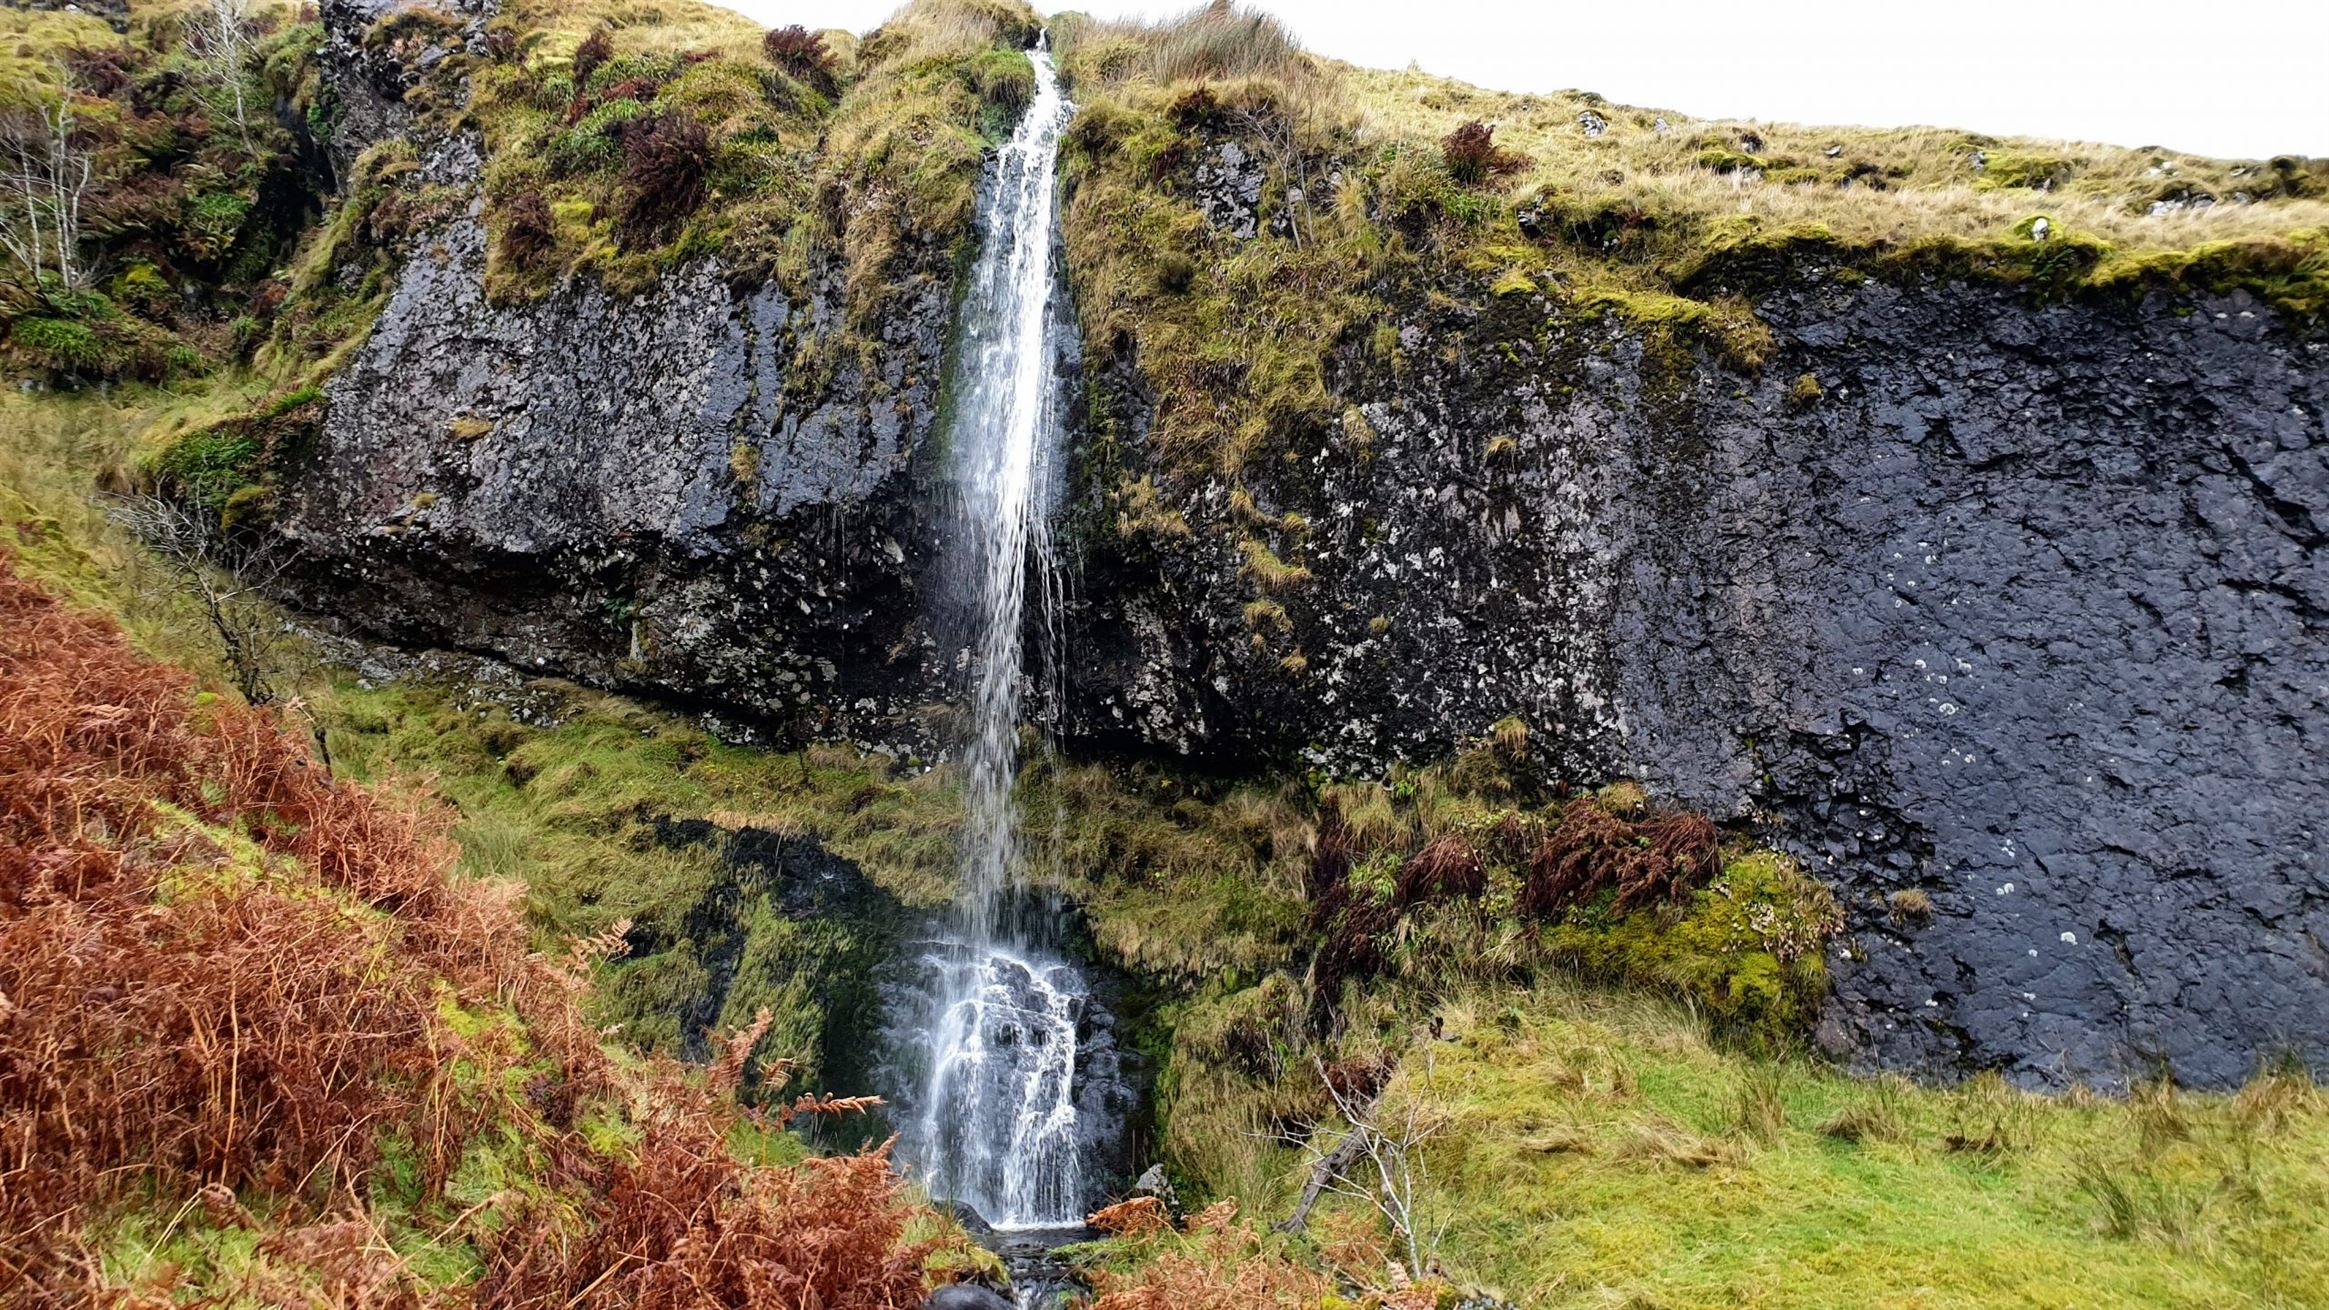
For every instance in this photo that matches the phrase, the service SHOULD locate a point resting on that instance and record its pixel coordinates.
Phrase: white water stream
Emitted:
(997, 1124)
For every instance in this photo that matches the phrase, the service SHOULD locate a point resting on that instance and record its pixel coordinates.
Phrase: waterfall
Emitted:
(998, 1122)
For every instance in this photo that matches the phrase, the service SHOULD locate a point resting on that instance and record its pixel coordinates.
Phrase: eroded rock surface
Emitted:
(635, 490)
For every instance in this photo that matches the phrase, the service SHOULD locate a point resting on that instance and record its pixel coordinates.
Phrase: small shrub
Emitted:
(1592, 851)
(1909, 907)
(207, 466)
(1139, 1217)
(1509, 735)
(1447, 869)
(641, 89)
(528, 229)
(1473, 157)
(1196, 109)
(595, 50)
(1217, 1264)
(801, 55)
(666, 161)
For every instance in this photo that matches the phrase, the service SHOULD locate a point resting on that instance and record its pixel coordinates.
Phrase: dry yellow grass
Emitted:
(1664, 163)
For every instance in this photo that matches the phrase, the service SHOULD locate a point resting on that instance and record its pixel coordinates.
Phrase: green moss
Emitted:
(1745, 948)
(2029, 171)
(2291, 274)
(61, 345)
(1670, 323)
(236, 464)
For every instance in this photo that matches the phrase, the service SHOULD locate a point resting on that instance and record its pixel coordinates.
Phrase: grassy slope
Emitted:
(1600, 1151)
(1205, 887)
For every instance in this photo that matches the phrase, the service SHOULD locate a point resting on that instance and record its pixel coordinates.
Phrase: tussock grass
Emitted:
(1561, 1191)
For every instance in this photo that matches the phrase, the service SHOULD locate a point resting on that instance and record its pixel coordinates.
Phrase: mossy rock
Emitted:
(1746, 948)
(231, 468)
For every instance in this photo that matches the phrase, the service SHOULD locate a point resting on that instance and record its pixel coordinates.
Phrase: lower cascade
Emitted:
(1008, 1075)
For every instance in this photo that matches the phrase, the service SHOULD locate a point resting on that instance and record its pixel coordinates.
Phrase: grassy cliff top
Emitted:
(1865, 184)
(1377, 190)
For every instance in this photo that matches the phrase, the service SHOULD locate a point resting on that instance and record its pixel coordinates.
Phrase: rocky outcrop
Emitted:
(640, 491)
(2017, 606)
(369, 66)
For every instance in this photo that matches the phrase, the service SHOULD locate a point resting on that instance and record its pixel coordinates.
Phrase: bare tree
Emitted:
(1377, 1160)
(228, 586)
(221, 35)
(49, 171)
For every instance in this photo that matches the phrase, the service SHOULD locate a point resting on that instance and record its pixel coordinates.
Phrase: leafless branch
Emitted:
(228, 584)
(1376, 1160)
(222, 34)
(40, 196)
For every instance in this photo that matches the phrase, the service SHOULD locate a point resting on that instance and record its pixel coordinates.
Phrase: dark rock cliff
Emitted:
(2018, 606)
(366, 78)
(641, 491)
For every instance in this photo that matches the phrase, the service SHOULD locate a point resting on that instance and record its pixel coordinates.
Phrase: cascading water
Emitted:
(1000, 1119)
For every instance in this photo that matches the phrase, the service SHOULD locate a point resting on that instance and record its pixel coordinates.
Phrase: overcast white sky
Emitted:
(2230, 78)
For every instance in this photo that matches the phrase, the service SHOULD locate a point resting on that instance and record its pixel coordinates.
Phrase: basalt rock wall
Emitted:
(2019, 606)
(638, 491)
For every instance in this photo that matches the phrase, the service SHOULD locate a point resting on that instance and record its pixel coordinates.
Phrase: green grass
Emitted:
(62, 451)
(1596, 1154)
(569, 812)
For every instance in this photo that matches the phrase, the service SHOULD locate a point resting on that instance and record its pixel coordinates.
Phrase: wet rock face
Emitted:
(1229, 189)
(368, 79)
(2021, 607)
(635, 491)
